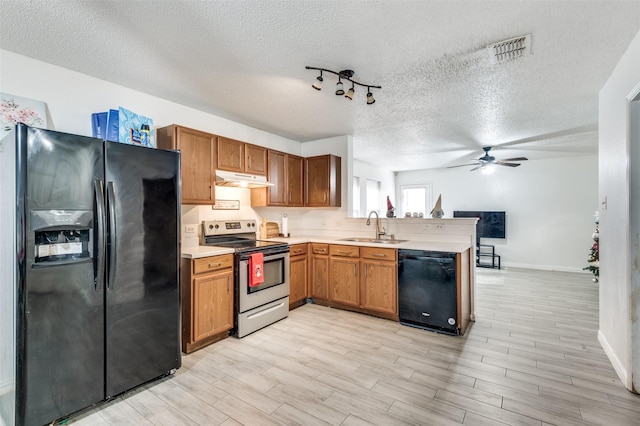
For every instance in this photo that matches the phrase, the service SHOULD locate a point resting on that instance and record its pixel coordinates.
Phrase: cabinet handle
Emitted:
(378, 255)
(324, 197)
(215, 265)
(289, 196)
(355, 270)
(344, 251)
(297, 251)
(227, 285)
(249, 158)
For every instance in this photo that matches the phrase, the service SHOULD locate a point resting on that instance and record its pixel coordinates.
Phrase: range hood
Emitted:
(240, 180)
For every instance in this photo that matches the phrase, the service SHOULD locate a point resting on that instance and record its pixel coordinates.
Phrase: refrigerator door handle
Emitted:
(113, 252)
(102, 246)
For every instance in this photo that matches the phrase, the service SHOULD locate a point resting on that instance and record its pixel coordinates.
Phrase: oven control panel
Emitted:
(225, 227)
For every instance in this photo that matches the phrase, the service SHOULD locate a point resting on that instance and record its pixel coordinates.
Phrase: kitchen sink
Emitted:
(373, 240)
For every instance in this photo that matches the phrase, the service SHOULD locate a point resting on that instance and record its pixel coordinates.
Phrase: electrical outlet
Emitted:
(427, 227)
(190, 229)
(440, 226)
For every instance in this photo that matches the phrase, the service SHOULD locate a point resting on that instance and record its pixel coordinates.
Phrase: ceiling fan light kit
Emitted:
(344, 75)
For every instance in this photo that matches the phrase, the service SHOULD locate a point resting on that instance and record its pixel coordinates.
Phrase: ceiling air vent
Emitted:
(508, 50)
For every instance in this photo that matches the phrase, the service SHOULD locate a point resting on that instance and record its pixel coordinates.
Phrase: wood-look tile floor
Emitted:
(531, 358)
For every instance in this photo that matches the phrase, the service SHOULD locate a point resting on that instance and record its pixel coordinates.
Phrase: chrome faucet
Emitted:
(379, 233)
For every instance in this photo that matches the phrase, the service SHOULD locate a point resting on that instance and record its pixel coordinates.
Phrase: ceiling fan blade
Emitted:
(502, 163)
(477, 167)
(516, 159)
(462, 165)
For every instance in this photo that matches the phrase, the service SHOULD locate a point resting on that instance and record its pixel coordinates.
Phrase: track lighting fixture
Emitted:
(344, 75)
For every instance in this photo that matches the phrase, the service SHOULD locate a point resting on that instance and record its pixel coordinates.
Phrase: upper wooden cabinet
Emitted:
(255, 159)
(322, 181)
(295, 180)
(237, 156)
(286, 173)
(197, 161)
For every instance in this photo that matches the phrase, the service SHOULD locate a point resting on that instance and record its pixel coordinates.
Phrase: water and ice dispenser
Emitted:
(62, 236)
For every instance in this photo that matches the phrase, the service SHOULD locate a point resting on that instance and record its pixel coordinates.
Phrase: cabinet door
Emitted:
(278, 177)
(255, 159)
(230, 154)
(344, 281)
(295, 173)
(379, 286)
(212, 304)
(297, 278)
(197, 151)
(322, 181)
(317, 188)
(319, 277)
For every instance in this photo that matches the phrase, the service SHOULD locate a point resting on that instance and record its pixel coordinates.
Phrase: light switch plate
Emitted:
(190, 229)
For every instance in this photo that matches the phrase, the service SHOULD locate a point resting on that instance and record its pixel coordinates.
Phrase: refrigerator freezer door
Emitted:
(142, 308)
(61, 310)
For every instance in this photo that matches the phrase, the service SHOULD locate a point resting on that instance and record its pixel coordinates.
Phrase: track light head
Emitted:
(318, 83)
(349, 94)
(370, 98)
(339, 88)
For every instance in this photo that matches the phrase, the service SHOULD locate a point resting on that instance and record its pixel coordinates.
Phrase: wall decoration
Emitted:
(15, 109)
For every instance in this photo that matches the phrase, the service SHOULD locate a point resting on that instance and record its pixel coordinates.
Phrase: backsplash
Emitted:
(330, 222)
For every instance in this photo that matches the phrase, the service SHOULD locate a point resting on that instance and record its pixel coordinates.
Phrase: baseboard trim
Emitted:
(544, 267)
(615, 361)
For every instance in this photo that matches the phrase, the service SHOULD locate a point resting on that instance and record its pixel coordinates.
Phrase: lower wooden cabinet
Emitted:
(363, 279)
(298, 275)
(206, 300)
(319, 271)
(344, 281)
(379, 288)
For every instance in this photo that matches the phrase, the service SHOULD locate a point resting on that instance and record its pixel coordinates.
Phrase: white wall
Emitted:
(619, 331)
(550, 207)
(72, 97)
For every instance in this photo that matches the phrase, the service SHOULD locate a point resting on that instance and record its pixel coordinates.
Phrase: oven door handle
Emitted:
(267, 257)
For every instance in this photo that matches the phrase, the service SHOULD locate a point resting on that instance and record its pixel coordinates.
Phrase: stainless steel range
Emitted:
(256, 305)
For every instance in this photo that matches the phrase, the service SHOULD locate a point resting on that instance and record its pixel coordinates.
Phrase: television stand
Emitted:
(486, 251)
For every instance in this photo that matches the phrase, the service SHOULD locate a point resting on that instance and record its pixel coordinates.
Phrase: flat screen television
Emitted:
(490, 225)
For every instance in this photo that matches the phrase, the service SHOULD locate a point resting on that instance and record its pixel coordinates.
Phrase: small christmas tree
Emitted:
(594, 253)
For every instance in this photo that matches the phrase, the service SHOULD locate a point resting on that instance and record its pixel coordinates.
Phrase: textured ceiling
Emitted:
(441, 99)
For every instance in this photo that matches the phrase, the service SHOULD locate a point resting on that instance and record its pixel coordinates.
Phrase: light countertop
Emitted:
(449, 247)
(204, 251)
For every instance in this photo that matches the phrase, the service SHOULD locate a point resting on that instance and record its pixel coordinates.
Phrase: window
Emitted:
(372, 201)
(415, 199)
(356, 197)
(365, 199)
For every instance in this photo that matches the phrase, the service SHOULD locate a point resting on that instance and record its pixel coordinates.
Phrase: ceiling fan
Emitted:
(489, 160)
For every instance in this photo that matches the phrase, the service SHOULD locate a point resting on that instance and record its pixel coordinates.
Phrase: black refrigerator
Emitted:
(95, 280)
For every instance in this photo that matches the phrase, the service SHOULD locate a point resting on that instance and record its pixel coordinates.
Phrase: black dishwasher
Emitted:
(427, 290)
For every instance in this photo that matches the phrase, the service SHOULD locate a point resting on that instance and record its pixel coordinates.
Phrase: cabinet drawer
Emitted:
(346, 251)
(379, 253)
(319, 248)
(214, 263)
(297, 250)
